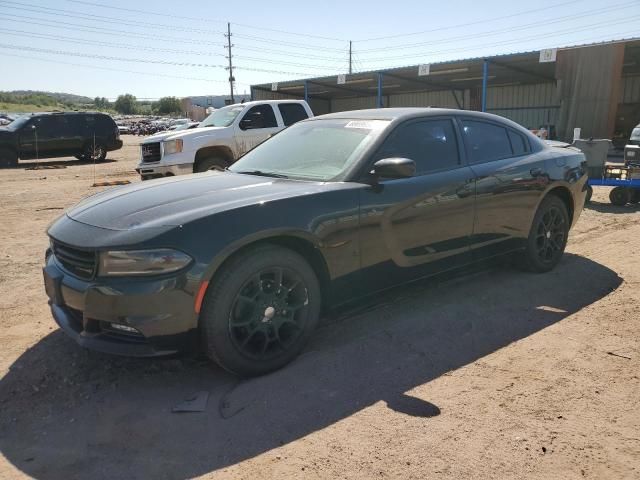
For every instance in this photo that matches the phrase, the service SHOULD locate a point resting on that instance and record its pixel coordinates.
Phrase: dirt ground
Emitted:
(495, 374)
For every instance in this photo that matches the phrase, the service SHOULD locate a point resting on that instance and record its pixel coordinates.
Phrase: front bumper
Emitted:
(90, 311)
(157, 170)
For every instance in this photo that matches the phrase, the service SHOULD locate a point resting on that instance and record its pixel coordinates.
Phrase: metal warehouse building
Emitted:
(595, 87)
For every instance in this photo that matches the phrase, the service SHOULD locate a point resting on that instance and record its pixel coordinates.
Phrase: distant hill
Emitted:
(59, 96)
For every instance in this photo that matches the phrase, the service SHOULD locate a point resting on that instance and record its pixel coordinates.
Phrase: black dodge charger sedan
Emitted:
(243, 262)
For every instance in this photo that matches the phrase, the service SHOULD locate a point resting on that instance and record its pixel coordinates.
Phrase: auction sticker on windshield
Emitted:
(367, 124)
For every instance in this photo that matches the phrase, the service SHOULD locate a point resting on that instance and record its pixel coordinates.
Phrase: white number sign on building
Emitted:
(548, 55)
(342, 79)
(274, 87)
(424, 69)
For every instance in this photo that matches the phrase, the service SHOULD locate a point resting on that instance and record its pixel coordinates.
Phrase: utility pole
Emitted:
(230, 67)
(350, 56)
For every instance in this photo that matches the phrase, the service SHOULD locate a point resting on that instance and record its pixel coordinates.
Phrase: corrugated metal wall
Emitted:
(630, 89)
(529, 105)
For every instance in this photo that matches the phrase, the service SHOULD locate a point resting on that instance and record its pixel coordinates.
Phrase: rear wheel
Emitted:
(635, 196)
(260, 311)
(8, 158)
(620, 196)
(211, 163)
(95, 153)
(548, 236)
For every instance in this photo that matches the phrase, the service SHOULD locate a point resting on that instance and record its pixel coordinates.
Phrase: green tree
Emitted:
(101, 103)
(125, 104)
(167, 106)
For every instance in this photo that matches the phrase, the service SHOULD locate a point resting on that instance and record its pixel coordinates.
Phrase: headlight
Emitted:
(142, 262)
(172, 146)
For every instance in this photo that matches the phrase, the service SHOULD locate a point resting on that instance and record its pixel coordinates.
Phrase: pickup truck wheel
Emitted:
(8, 158)
(94, 154)
(547, 237)
(635, 196)
(211, 163)
(587, 198)
(620, 196)
(260, 311)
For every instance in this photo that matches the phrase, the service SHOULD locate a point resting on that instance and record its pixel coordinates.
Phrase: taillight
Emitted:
(117, 133)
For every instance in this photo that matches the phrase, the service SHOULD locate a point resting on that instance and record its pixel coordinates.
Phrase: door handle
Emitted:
(535, 172)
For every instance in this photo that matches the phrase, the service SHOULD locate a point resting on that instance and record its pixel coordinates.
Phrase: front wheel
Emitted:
(260, 311)
(548, 236)
(589, 194)
(212, 163)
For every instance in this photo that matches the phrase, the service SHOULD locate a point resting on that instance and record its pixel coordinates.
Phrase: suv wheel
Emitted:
(211, 163)
(8, 158)
(260, 311)
(94, 154)
(548, 236)
(620, 196)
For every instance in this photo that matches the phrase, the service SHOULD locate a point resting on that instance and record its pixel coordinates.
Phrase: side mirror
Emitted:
(394, 168)
(246, 124)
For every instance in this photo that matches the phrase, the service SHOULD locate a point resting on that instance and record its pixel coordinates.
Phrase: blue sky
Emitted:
(165, 47)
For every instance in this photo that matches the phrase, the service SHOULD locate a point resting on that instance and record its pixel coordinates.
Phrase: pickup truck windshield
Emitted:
(320, 150)
(18, 123)
(223, 117)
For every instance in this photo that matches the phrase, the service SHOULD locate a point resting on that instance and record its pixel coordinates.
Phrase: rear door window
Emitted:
(431, 144)
(292, 113)
(487, 141)
(260, 116)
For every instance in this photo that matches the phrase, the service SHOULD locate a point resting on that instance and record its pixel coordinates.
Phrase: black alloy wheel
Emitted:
(213, 163)
(260, 310)
(267, 315)
(548, 236)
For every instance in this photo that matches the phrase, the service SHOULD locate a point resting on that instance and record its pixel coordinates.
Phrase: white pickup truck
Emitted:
(220, 139)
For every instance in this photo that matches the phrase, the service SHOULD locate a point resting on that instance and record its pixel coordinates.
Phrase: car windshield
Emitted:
(319, 150)
(635, 134)
(223, 117)
(18, 123)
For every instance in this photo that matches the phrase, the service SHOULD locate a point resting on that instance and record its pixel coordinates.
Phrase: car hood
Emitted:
(184, 134)
(179, 200)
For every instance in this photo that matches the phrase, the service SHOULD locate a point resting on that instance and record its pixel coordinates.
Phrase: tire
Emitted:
(8, 158)
(635, 196)
(211, 163)
(548, 236)
(245, 325)
(587, 198)
(97, 154)
(620, 196)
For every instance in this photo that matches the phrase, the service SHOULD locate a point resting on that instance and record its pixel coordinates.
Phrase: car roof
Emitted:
(405, 113)
(68, 113)
(262, 102)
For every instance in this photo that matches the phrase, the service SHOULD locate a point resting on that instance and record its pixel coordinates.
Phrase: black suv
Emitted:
(84, 135)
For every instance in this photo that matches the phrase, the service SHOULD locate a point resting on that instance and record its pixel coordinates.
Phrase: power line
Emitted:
(586, 13)
(476, 22)
(141, 60)
(97, 67)
(146, 12)
(339, 59)
(510, 42)
(101, 18)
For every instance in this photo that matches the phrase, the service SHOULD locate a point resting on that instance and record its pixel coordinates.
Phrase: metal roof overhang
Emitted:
(513, 69)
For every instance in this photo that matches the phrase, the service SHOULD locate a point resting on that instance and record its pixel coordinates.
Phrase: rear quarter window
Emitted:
(292, 113)
(486, 141)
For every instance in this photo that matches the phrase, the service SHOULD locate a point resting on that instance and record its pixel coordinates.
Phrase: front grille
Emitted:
(150, 152)
(82, 263)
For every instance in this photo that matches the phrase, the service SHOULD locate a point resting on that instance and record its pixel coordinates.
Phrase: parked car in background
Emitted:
(183, 126)
(124, 129)
(331, 209)
(632, 149)
(84, 135)
(220, 139)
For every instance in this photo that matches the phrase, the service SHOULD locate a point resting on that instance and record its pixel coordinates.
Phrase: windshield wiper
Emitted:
(263, 174)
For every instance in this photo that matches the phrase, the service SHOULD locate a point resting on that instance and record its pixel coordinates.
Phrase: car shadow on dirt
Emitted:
(68, 413)
(609, 208)
(50, 164)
